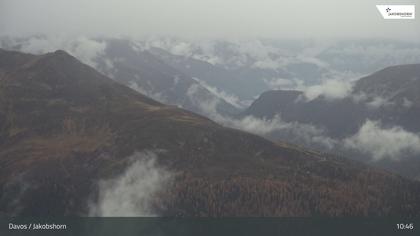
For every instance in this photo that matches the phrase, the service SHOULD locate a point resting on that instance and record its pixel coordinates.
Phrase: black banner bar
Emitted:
(135, 226)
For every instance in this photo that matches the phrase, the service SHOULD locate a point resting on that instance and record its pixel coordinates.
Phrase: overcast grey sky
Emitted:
(206, 18)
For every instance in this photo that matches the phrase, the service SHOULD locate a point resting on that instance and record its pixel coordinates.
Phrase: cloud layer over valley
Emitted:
(316, 69)
(379, 142)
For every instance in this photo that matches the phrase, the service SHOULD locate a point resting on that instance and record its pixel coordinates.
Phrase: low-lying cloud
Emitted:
(134, 192)
(148, 92)
(329, 89)
(384, 143)
(85, 49)
(229, 98)
(377, 102)
(305, 133)
(335, 83)
(372, 139)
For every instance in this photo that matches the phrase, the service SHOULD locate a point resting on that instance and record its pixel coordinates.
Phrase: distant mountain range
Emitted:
(242, 81)
(141, 70)
(235, 72)
(389, 97)
(66, 128)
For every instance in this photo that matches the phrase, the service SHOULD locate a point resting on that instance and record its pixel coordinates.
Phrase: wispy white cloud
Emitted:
(384, 143)
(377, 102)
(407, 103)
(85, 49)
(283, 84)
(148, 92)
(329, 89)
(229, 98)
(134, 192)
(307, 134)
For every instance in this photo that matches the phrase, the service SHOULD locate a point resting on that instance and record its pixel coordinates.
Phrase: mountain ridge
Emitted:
(65, 127)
